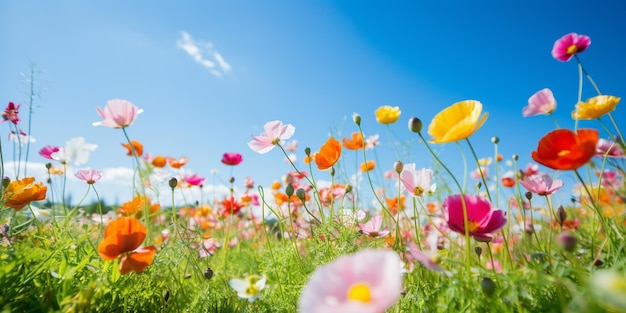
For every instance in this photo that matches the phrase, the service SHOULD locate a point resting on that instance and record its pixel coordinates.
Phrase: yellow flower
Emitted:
(21, 192)
(595, 107)
(387, 114)
(457, 122)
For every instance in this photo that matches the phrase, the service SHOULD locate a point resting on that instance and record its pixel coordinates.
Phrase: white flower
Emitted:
(76, 151)
(249, 287)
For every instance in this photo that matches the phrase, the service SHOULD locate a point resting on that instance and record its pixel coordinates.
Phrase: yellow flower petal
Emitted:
(456, 122)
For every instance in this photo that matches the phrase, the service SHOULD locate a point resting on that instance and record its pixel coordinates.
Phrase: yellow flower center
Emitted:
(418, 191)
(360, 292)
(472, 225)
(563, 153)
(252, 290)
(572, 49)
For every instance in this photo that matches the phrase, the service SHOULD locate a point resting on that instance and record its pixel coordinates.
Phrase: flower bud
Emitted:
(289, 190)
(356, 118)
(48, 166)
(398, 166)
(173, 182)
(415, 124)
(530, 228)
(567, 241)
(301, 194)
(515, 157)
(348, 188)
(488, 286)
(231, 180)
(332, 171)
(479, 184)
(495, 139)
(529, 195)
(478, 251)
(561, 215)
(307, 151)
(208, 273)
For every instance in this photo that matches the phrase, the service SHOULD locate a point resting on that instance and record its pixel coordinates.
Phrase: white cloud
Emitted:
(204, 54)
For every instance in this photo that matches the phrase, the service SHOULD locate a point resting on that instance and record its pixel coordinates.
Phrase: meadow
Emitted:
(430, 240)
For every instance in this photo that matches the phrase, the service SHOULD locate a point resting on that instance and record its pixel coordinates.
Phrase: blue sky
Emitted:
(308, 63)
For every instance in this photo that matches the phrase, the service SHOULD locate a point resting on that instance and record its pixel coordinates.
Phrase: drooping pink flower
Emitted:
(430, 262)
(373, 227)
(275, 132)
(611, 178)
(232, 158)
(47, 152)
(609, 148)
(417, 182)
(369, 281)
(194, 180)
(569, 45)
(483, 220)
(90, 176)
(118, 113)
(11, 113)
(531, 169)
(542, 102)
(541, 184)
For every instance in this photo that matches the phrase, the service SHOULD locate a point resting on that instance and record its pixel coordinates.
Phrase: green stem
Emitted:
(482, 175)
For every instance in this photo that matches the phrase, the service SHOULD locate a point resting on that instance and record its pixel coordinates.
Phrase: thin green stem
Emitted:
(482, 175)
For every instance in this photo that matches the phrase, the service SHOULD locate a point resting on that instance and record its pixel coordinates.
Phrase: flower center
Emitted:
(563, 153)
(418, 191)
(360, 292)
(472, 225)
(572, 49)
(252, 290)
(276, 141)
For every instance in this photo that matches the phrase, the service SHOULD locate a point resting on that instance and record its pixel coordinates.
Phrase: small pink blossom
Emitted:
(208, 248)
(369, 281)
(117, 113)
(232, 158)
(430, 262)
(569, 45)
(47, 152)
(371, 142)
(475, 174)
(90, 176)
(417, 182)
(194, 180)
(609, 148)
(11, 113)
(275, 132)
(373, 227)
(248, 182)
(541, 184)
(483, 220)
(542, 102)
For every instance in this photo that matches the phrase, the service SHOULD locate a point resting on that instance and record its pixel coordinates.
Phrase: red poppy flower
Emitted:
(232, 158)
(563, 149)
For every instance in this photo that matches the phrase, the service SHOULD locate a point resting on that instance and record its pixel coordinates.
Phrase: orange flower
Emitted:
(159, 161)
(563, 149)
(276, 185)
(122, 237)
(177, 163)
(508, 182)
(21, 192)
(392, 204)
(329, 154)
(309, 158)
(367, 166)
(136, 145)
(356, 143)
(136, 206)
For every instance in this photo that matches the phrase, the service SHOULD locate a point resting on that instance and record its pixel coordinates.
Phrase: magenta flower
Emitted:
(369, 281)
(118, 114)
(569, 45)
(541, 184)
(10, 113)
(483, 220)
(373, 227)
(232, 158)
(542, 102)
(47, 152)
(275, 133)
(609, 148)
(194, 180)
(90, 176)
(417, 182)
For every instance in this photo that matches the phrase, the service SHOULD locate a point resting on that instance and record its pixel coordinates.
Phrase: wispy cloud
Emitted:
(204, 53)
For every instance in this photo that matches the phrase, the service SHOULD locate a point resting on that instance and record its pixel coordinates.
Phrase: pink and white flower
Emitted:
(417, 182)
(275, 132)
(118, 113)
(541, 184)
(542, 102)
(373, 227)
(90, 176)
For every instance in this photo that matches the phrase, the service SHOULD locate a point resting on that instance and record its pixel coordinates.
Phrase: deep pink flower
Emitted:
(483, 220)
(542, 102)
(373, 227)
(609, 148)
(275, 132)
(90, 176)
(194, 180)
(569, 45)
(118, 114)
(369, 281)
(47, 151)
(10, 113)
(232, 158)
(541, 184)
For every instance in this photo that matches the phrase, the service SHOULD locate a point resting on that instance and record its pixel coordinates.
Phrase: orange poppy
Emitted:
(309, 158)
(329, 154)
(392, 204)
(136, 145)
(20, 193)
(367, 166)
(177, 163)
(356, 143)
(135, 207)
(122, 237)
(562, 149)
(159, 161)
(276, 185)
(508, 182)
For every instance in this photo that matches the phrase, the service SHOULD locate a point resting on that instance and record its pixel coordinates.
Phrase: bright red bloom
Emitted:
(563, 149)
(230, 206)
(232, 158)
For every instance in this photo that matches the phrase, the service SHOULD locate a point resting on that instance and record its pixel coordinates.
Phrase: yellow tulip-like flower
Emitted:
(457, 122)
(21, 192)
(387, 114)
(595, 107)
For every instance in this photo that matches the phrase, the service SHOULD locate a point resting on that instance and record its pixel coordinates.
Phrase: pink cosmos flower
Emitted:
(542, 102)
(10, 113)
(275, 132)
(569, 45)
(369, 281)
(232, 158)
(430, 262)
(118, 114)
(248, 182)
(609, 148)
(372, 227)
(90, 176)
(417, 182)
(483, 220)
(611, 178)
(475, 174)
(194, 180)
(371, 142)
(541, 184)
(47, 152)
